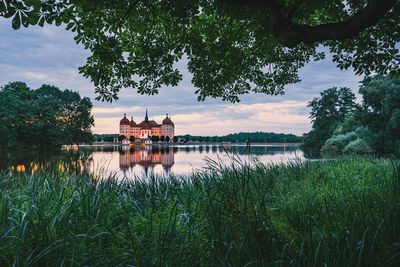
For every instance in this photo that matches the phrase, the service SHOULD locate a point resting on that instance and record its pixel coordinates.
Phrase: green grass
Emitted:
(343, 212)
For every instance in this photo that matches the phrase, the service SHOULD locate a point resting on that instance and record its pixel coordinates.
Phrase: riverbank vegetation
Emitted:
(43, 117)
(343, 212)
(243, 137)
(340, 125)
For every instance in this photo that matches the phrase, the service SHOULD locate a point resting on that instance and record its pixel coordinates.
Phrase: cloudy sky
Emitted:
(50, 55)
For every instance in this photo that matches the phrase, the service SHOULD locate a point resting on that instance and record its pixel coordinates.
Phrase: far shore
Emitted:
(101, 144)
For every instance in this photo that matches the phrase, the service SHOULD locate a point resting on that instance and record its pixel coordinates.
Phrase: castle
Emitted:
(147, 128)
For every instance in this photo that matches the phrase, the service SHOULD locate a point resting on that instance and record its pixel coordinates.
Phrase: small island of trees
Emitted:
(43, 117)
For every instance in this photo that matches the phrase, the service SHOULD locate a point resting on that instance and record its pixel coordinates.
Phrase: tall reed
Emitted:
(343, 212)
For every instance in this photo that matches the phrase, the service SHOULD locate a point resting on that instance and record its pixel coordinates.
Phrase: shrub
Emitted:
(358, 146)
(334, 146)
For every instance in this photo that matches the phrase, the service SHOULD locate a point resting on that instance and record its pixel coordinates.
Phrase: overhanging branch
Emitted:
(367, 17)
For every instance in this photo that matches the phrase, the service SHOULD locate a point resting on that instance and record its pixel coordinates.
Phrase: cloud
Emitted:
(49, 55)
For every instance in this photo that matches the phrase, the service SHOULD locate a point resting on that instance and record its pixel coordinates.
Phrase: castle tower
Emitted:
(124, 126)
(168, 127)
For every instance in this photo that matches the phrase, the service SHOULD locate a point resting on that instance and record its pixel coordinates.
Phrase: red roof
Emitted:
(151, 124)
(167, 121)
(124, 121)
(133, 123)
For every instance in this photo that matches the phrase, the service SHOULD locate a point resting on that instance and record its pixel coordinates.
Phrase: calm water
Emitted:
(141, 161)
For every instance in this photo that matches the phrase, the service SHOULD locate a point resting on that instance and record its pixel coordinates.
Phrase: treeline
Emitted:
(342, 126)
(46, 116)
(242, 137)
(105, 137)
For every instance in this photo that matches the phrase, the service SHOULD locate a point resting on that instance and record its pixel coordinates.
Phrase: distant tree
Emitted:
(45, 116)
(242, 137)
(105, 137)
(232, 47)
(155, 138)
(175, 139)
(162, 138)
(121, 137)
(132, 139)
(167, 139)
(326, 112)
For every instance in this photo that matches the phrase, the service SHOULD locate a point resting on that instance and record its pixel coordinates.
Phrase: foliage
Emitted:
(155, 138)
(336, 144)
(328, 110)
(374, 126)
(232, 47)
(358, 146)
(121, 137)
(175, 139)
(381, 111)
(228, 216)
(354, 142)
(45, 116)
(242, 137)
(132, 139)
(105, 137)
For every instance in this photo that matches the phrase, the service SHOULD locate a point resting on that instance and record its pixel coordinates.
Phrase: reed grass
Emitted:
(343, 212)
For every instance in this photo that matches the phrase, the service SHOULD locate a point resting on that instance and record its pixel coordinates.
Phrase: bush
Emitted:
(334, 146)
(355, 142)
(358, 146)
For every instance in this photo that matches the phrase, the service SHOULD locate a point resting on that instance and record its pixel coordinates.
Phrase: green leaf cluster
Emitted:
(46, 116)
(370, 127)
(230, 47)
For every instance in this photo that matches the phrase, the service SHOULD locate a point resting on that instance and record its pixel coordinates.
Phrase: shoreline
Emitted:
(108, 144)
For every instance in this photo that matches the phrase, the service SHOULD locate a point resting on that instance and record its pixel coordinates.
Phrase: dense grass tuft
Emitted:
(343, 212)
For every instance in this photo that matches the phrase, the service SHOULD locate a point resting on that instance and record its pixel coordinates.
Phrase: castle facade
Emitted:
(147, 128)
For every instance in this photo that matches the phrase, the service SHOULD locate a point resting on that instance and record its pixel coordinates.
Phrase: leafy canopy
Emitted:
(232, 47)
(342, 126)
(45, 116)
(327, 111)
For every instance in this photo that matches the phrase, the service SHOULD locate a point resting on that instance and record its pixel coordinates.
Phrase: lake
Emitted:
(131, 162)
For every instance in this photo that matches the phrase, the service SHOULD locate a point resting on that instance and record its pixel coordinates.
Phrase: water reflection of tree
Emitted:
(31, 161)
(240, 150)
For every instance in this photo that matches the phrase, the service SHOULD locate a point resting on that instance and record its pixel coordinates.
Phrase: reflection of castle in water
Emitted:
(147, 157)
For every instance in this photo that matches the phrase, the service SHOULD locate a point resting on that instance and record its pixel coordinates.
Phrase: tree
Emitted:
(132, 139)
(121, 137)
(155, 138)
(162, 138)
(175, 139)
(326, 112)
(381, 112)
(13, 108)
(343, 127)
(46, 116)
(232, 47)
(167, 139)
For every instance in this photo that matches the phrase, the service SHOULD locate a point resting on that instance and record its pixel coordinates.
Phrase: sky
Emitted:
(49, 55)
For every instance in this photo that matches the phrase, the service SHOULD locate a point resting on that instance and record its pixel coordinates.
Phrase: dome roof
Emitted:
(124, 121)
(167, 121)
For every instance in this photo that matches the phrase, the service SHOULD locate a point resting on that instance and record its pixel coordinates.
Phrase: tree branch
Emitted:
(369, 16)
(295, 34)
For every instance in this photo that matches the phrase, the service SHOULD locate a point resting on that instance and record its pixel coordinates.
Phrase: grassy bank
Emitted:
(338, 213)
